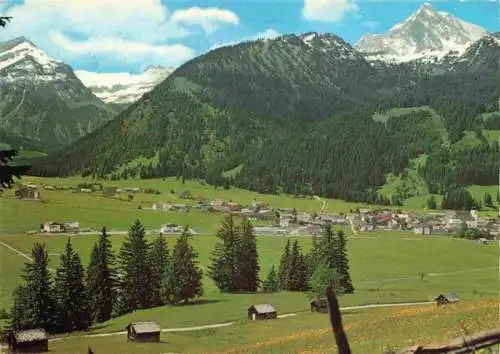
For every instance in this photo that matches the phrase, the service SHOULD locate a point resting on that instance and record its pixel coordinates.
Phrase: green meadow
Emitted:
(386, 267)
(368, 331)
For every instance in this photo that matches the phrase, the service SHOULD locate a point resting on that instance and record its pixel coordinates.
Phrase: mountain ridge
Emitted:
(41, 98)
(301, 114)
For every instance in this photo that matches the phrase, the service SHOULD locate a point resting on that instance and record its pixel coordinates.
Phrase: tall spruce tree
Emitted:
(36, 295)
(20, 315)
(159, 261)
(342, 263)
(314, 256)
(101, 279)
(224, 257)
(248, 267)
(135, 270)
(284, 267)
(184, 278)
(271, 283)
(70, 293)
(297, 276)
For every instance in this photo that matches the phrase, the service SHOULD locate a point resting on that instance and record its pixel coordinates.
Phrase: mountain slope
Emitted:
(426, 34)
(304, 77)
(482, 55)
(294, 112)
(123, 88)
(42, 99)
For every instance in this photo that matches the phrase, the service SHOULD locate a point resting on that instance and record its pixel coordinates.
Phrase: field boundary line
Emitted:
(22, 254)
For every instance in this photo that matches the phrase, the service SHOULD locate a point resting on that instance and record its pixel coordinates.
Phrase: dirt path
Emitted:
(227, 324)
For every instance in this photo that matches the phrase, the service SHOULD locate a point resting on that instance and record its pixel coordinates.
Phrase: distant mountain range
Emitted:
(41, 99)
(123, 88)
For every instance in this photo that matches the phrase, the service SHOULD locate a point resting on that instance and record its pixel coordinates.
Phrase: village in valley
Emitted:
(270, 220)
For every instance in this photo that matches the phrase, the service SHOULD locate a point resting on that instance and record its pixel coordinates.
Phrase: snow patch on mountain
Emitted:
(123, 88)
(425, 35)
(25, 49)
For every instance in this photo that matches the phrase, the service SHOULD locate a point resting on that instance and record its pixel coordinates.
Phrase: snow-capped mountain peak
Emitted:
(20, 49)
(123, 87)
(426, 34)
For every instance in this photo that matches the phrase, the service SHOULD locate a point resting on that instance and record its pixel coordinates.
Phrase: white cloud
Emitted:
(112, 32)
(125, 19)
(328, 10)
(126, 52)
(267, 34)
(210, 18)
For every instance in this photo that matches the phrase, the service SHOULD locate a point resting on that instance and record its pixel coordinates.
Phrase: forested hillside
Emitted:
(295, 114)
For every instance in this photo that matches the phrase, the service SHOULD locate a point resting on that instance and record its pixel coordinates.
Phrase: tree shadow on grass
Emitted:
(200, 302)
(97, 327)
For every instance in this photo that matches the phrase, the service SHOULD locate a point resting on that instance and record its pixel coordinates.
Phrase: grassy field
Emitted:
(94, 210)
(384, 268)
(370, 331)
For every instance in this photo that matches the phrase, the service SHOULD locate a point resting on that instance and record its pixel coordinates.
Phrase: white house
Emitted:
(53, 227)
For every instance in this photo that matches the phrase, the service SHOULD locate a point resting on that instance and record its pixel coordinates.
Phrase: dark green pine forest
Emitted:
(289, 116)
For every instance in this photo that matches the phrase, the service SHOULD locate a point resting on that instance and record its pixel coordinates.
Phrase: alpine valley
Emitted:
(410, 112)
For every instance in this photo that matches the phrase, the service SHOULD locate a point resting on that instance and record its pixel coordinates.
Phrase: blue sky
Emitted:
(120, 35)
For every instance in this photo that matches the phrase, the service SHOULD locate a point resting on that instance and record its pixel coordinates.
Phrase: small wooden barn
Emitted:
(319, 306)
(28, 341)
(262, 312)
(143, 332)
(444, 299)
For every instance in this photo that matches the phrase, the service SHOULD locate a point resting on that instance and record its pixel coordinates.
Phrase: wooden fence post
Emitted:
(336, 321)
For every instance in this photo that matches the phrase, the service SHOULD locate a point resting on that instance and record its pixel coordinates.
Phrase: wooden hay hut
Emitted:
(262, 312)
(319, 306)
(143, 332)
(444, 299)
(28, 341)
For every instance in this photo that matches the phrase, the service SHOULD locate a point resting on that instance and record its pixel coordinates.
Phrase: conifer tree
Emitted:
(19, 313)
(297, 279)
(271, 283)
(313, 256)
(224, 257)
(101, 279)
(284, 267)
(248, 267)
(184, 278)
(342, 264)
(159, 261)
(70, 293)
(36, 295)
(134, 269)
